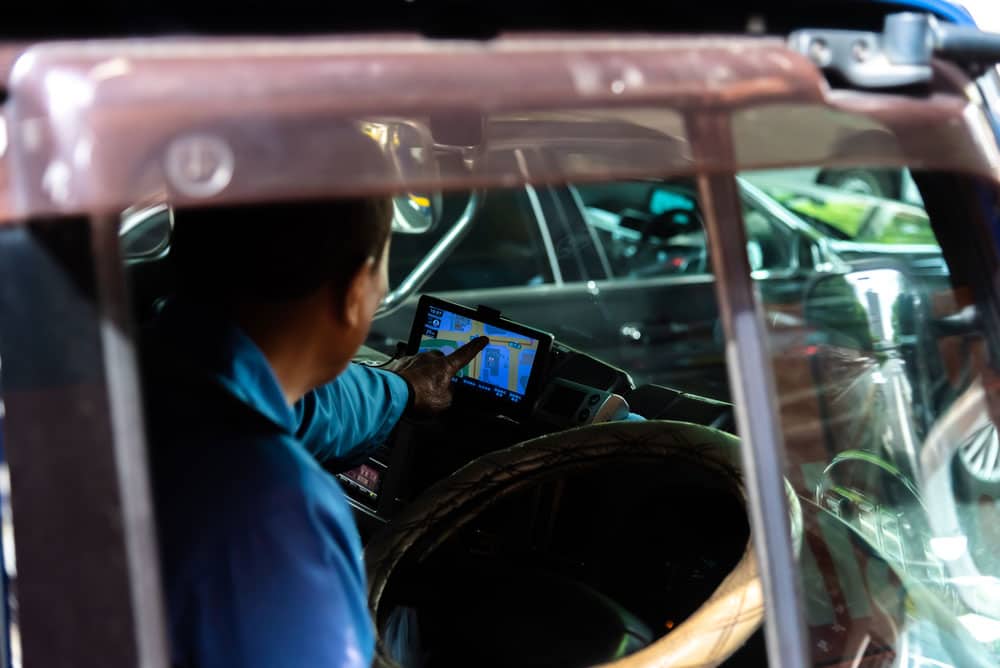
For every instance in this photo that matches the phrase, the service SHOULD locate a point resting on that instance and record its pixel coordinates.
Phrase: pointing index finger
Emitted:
(467, 353)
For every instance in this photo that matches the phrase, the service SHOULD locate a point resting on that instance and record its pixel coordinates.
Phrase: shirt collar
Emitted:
(221, 350)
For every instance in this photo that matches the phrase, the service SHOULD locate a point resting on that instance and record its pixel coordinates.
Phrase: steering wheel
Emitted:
(671, 223)
(722, 623)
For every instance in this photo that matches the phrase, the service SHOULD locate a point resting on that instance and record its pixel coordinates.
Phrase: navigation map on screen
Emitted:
(504, 366)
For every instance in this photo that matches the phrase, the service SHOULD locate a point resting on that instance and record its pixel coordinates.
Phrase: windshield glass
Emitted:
(879, 368)
(879, 326)
(876, 336)
(879, 316)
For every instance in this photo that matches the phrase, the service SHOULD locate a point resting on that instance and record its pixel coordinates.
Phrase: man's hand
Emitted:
(430, 374)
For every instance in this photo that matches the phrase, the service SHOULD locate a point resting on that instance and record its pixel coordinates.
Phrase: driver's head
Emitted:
(314, 271)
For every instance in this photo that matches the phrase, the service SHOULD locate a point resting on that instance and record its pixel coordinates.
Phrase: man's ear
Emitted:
(353, 307)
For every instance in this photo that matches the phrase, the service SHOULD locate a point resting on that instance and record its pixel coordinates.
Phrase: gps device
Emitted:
(507, 375)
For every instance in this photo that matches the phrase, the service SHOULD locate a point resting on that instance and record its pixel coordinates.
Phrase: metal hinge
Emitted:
(898, 56)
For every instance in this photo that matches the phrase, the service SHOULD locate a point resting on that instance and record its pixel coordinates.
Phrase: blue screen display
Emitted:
(504, 366)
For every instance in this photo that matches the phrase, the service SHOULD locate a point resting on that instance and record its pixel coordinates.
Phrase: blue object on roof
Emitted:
(944, 10)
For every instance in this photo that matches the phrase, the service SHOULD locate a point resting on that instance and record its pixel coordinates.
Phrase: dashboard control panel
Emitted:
(564, 403)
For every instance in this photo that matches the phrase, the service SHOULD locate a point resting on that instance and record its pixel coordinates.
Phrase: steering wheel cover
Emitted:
(711, 634)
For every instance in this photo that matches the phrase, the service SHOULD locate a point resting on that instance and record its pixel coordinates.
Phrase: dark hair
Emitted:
(276, 252)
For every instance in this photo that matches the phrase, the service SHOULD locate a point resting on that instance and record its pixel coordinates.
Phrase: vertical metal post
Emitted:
(83, 592)
(752, 385)
(121, 369)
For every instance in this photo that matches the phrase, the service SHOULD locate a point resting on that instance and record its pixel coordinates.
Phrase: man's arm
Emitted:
(358, 409)
(429, 374)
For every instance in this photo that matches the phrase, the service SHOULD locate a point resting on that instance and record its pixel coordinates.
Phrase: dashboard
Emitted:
(524, 384)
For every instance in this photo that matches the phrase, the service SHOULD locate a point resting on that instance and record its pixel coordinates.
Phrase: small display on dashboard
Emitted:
(503, 367)
(366, 476)
(507, 370)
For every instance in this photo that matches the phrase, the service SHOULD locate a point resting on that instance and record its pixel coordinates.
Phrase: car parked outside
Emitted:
(860, 226)
(532, 250)
(635, 242)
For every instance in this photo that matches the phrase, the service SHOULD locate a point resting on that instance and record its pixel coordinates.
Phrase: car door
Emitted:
(533, 255)
(618, 315)
(587, 263)
(661, 290)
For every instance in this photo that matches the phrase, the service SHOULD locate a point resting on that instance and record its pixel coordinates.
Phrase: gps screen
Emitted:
(504, 366)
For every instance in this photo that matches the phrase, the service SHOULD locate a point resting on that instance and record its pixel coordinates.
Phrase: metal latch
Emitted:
(898, 56)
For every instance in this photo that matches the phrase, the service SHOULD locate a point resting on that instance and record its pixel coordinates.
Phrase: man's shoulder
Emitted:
(230, 464)
(180, 395)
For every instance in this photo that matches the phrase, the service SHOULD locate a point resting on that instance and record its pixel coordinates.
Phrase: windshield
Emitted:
(874, 339)
(877, 338)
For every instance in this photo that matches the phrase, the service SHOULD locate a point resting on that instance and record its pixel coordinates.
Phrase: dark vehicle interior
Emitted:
(581, 543)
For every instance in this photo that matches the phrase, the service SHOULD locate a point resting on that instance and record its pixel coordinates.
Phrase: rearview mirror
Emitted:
(433, 259)
(464, 129)
(409, 149)
(415, 213)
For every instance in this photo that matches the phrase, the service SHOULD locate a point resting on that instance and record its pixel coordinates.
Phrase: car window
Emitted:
(504, 247)
(898, 227)
(771, 244)
(655, 229)
(647, 229)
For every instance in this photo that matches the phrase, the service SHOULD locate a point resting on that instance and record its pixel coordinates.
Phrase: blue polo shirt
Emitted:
(261, 559)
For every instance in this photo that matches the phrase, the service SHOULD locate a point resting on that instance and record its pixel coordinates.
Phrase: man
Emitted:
(249, 382)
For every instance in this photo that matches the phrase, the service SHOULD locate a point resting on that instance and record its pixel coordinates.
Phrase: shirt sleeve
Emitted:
(347, 417)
